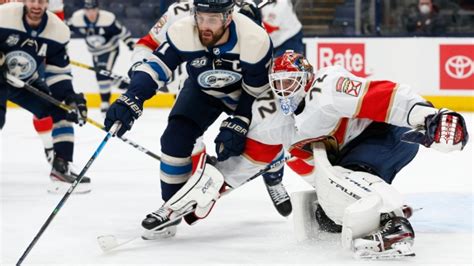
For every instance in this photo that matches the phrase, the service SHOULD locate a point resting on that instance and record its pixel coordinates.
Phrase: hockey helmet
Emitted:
(90, 4)
(213, 6)
(290, 78)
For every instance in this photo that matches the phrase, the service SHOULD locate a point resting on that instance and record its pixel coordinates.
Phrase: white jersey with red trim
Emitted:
(338, 105)
(57, 7)
(157, 35)
(280, 21)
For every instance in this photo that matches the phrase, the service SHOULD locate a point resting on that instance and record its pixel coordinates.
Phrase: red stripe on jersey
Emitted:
(300, 166)
(340, 131)
(377, 100)
(60, 14)
(261, 152)
(148, 41)
(300, 153)
(43, 125)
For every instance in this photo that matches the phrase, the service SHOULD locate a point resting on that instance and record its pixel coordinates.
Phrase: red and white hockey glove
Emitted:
(444, 131)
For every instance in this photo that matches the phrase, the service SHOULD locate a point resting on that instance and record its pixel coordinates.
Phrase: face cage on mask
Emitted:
(289, 95)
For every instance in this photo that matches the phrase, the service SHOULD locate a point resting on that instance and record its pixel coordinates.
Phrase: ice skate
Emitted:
(160, 224)
(62, 178)
(394, 240)
(104, 107)
(280, 198)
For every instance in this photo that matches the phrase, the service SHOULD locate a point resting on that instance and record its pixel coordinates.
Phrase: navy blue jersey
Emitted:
(103, 35)
(234, 72)
(26, 48)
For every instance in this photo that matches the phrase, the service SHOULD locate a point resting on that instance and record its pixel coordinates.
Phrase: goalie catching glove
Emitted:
(126, 109)
(443, 129)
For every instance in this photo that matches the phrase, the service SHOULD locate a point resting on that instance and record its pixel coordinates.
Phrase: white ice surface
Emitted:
(243, 228)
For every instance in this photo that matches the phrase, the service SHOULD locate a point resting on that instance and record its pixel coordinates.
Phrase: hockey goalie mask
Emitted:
(290, 78)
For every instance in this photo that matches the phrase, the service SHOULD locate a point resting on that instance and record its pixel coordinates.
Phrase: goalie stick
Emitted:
(61, 203)
(110, 242)
(21, 84)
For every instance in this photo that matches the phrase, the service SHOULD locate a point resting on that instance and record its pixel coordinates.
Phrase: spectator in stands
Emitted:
(283, 26)
(425, 20)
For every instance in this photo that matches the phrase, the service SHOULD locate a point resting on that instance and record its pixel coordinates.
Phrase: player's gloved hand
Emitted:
(3, 69)
(250, 10)
(231, 139)
(78, 103)
(125, 109)
(130, 44)
(444, 131)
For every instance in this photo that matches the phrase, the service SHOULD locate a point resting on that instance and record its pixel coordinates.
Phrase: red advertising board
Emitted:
(351, 56)
(456, 66)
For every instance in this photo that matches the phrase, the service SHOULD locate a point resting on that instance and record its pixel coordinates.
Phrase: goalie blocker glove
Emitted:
(231, 139)
(443, 129)
(125, 109)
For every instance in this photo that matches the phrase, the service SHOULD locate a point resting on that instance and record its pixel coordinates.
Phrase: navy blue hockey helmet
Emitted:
(213, 6)
(89, 4)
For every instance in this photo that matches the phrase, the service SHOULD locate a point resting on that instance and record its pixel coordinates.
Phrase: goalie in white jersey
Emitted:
(371, 130)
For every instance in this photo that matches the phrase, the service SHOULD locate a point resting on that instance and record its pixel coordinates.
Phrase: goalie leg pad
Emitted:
(304, 220)
(201, 190)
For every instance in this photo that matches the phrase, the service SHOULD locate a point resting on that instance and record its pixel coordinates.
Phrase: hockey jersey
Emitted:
(338, 105)
(102, 36)
(234, 72)
(27, 48)
(157, 35)
(280, 21)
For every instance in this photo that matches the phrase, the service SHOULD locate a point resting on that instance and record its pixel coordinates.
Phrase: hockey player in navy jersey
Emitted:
(228, 56)
(103, 33)
(29, 36)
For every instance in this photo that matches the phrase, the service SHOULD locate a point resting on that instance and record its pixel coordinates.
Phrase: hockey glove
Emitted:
(251, 11)
(125, 109)
(444, 131)
(79, 113)
(231, 139)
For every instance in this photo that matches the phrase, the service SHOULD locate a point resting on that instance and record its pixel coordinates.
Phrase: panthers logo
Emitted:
(218, 78)
(20, 64)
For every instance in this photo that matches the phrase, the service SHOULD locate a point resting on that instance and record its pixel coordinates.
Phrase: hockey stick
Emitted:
(21, 84)
(102, 72)
(58, 207)
(110, 242)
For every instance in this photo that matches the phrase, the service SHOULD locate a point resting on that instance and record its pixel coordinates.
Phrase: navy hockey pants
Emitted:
(378, 150)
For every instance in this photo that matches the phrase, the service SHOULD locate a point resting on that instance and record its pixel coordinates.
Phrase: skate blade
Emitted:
(391, 254)
(59, 187)
(167, 232)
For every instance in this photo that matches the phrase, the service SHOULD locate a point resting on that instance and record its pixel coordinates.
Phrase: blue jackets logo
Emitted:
(218, 78)
(20, 64)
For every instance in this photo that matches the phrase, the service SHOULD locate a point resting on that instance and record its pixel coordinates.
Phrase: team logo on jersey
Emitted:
(12, 40)
(95, 41)
(218, 78)
(349, 87)
(199, 62)
(20, 64)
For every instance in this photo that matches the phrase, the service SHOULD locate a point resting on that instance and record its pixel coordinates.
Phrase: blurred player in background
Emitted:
(102, 32)
(30, 36)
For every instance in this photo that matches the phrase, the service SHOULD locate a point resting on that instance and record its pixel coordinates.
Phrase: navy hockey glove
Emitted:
(125, 109)
(251, 11)
(79, 113)
(231, 139)
(444, 131)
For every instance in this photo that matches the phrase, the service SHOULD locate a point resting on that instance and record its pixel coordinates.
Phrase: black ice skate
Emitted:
(280, 198)
(394, 240)
(62, 178)
(49, 153)
(160, 224)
